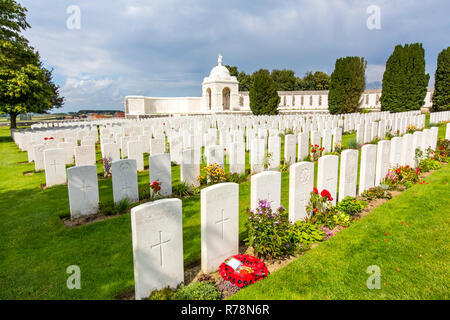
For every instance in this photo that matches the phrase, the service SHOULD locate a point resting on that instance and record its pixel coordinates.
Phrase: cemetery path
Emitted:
(407, 238)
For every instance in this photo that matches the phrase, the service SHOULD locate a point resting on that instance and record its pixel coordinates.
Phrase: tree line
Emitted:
(404, 85)
(285, 79)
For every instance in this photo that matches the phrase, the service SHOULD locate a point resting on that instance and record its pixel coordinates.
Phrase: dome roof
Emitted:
(219, 73)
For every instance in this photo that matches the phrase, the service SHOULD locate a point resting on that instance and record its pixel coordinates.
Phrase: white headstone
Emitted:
(301, 183)
(367, 169)
(157, 233)
(190, 168)
(382, 163)
(220, 224)
(85, 155)
(290, 149)
(348, 173)
(327, 175)
(160, 170)
(55, 166)
(266, 186)
(124, 180)
(83, 190)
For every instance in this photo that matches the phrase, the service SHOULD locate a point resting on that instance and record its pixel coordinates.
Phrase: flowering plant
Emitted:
(213, 174)
(269, 232)
(411, 128)
(155, 187)
(107, 161)
(316, 152)
(402, 177)
(319, 207)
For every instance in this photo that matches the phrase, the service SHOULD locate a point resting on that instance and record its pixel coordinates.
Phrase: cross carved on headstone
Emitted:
(160, 245)
(85, 187)
(54, 164)
(222, 222)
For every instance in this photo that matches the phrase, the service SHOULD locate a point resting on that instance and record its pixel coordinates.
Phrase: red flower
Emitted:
(442, 148)
(51, 138)
(326, 194)
(316, 191)
(224, 149)
(45, 138)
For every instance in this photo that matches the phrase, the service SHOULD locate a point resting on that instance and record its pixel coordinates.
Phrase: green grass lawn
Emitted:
(414, 260)
(36, 248)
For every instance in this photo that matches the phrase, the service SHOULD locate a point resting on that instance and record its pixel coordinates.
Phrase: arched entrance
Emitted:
(226, 98)
(208, 94)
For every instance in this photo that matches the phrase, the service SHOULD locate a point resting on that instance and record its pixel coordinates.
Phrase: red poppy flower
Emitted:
(316, 191)
(45, 138)
(51, 138)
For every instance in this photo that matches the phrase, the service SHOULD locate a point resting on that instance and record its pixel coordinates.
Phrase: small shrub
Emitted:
(198, 291)
(227, 287)
(122, 206)
(163, 294)
(107, 208)
(353, 144)
(236, 177)
(376, 193)
(306, 234)
(351, 206)
(341, 219)
(205, 277)
(107, 162)
(182, 189)
(429, 164)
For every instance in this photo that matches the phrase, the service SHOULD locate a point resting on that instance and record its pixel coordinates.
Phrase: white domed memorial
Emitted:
(220, 91)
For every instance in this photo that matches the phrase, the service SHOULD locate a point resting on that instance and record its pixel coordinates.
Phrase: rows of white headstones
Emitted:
(52, 149)
(157, 226)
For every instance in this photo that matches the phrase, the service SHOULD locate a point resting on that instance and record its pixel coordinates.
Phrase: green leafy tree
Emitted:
(263, 94)
(441, 96)
(404, 85)
(347, 85)
(308, 82)
(245, 81)
(243, 78)
(25, 85)
(321, 81)
(284, 79)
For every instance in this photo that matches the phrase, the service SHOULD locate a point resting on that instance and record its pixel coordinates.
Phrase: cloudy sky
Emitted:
(165, 47)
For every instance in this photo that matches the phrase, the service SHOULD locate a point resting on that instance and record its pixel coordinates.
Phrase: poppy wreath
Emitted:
(244, 277)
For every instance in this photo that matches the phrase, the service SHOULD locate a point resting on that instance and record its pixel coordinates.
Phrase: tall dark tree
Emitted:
(264, 98)
(347, 85)
(441, 96)
(404, 85)
(25, 85)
